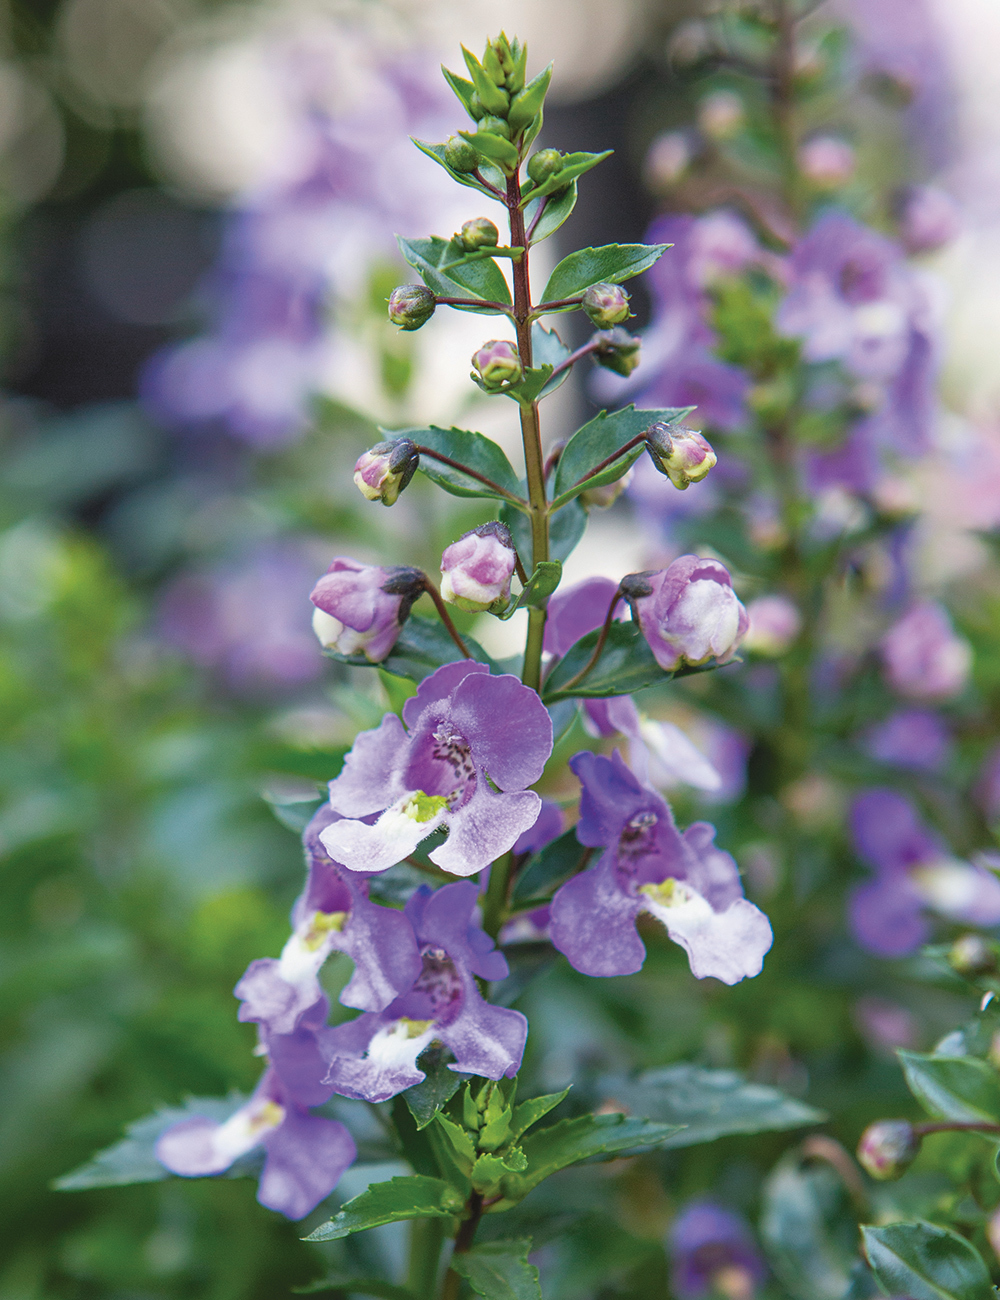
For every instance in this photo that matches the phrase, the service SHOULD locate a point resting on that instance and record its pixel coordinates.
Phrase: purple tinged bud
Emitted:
(480, 232)
(617, 350)
(386, 469)
(460, 155)
(683, 455)
(687, 612)
(888, 1148)
(498, 364)
(476, 570)
(827, 161)
(411, 305)
(543, 164)
(928, 218)
(360, 608)
(606, 305)
(774, 624)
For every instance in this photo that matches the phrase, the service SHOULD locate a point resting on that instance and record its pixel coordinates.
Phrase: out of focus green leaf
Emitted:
(499, 1270)
(961, 1088)
(926, 1262)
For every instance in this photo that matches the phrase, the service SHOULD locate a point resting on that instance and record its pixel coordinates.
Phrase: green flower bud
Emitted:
(888, 1148)
(527, 104)
(498, 364)
(476, 110)
(480, 232)
(617, 350)
(543, 164)
(683, 455)
(972, 955)
(495, 125)
(606, 305)
(460, 155)
(411, 305)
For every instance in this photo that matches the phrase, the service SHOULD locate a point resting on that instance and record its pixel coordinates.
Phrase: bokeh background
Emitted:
(197, 204)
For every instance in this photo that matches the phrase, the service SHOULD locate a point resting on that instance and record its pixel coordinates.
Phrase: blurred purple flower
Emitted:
(923, 657)
(713, 1253)
(928, 218)
(911, 738)
(987, 788)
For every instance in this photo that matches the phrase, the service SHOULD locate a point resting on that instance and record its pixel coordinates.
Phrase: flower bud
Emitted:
(495, 126)
(480, 232)
(460, 155)
(498, 364)
(617, 350)
(774, 624)
(888, 1148)
(384, 470)
(606, 305)
(476, 570)
(411, 305)
(721, 114)
(827, 161)
(687, 612)
(683, 455)
(543, 164)
(928, 218)
(608, 493)
(972, 955)
(360, 608)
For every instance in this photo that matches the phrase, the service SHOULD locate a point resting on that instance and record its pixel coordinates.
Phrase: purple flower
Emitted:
(688, 884)
(911, 738)
(774, 623)
(333, 914)
(987, 788)
(688, 612)
(462, 727)
(713, 1253)
(305, 1154)
(913, 872)
(928, 218)
(682, 455)
(497, 363)
(549, 827)
(476, 570)
(923, 657)
(360, 608)
(374, 1057)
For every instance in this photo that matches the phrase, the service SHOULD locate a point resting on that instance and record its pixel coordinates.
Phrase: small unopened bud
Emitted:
(972, 955)
(360, 608)
(543, 164)
(476, 570)
(688, 612)
(617, 350)
(827, 161)
(410, 306)
(460, 155)
(606, 495)
(606, 305)
(497, 364)
(480, 232)
(888, 1148)
(386, 469)
(683, 455)
(495, 126)
(721, 114)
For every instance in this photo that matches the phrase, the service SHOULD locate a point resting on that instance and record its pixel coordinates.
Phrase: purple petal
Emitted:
(713, 873)
(593, 923)
(548, 827)
(484, 828)
(444, 919)
(306, 1156)
(270, 1000)
(485, 1040)
(438, 686)
(611, 795)
(390, 1066)
(507, 727)
(615, 714)
(188, 1149)
(393, 837)
(727, 946)
(886, 916)
(381, 943)
(300, 1064)
(370, 780)
(575, 611)
(888, 833)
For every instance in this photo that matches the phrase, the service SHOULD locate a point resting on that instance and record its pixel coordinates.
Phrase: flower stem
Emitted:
(574, 357)
(463, 1241)
(426, 1236)
(442, 609)
(495, 902)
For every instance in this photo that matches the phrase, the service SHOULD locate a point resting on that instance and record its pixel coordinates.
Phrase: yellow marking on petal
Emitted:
(666, 893)
(425, 807)
(264, 1117)
(414, 1028)
(321, 924)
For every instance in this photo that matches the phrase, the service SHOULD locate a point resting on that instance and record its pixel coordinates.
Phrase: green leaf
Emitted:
(436, 151)
(708, 1103)
(610, 264)
(528, 103)
(531, 1111)
(413, 1197)
(600, 438)
(492, 98)
(492, 146)
(574, 165)
(472, 449)
(546, 869)
(557, 210)
(471, 278)
(463, 89)
(926, 1262)
(625, 665)
(538, 588)
(422, 646)
(350, 1284)
(133, 1160)
(499, 1270)
(462, 1146)
(809, 1229)
(565, 530)
(547, 348)
(530, 388)
(426, 1099)
(961, 1088)
(573, 1140)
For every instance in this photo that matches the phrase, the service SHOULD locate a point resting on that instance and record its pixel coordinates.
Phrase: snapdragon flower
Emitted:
(470, 746)
(688, 884)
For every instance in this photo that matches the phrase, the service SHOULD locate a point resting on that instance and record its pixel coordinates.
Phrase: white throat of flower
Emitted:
(245, 1129)
(310, 945)
(400, 1043)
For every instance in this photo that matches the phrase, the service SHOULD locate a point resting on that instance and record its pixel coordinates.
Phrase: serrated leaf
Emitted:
(355, 1285)
(492, 98)
(598, 439)
(557, 210)
(547, 868)
(492, 146)
(708, 1103)
(565, 530)
(472, 449)
(547, 348)
(499, 1270)
(461, 1143)
(424, 1100)
(926, 1262)
(436, 151)
(415, 1196)
(421, 648)
(530, 387)
(809, 1229)
(537, 589)
(489, 1169)
(961, 1088)
(574, 165)
(572, 1140)
(625, 665)
(531, 1111)
(476, 278)
(610, 264)
(132, 1160)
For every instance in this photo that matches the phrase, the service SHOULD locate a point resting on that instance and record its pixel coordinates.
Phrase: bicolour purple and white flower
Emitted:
(924, 659)
(375, 1056)
(689, 885)
(332, 914)
(360, 608)
(914, 873)
(305, 1154)
(713, 1253)
(477, 569)
(688, 612)
(471, 745)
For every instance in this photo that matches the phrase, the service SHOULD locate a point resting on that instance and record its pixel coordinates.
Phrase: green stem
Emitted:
(463, 1241)
(495, 902)
(426, 1237)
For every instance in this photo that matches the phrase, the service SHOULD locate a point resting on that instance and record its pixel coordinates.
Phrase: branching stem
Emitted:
(442, 610)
